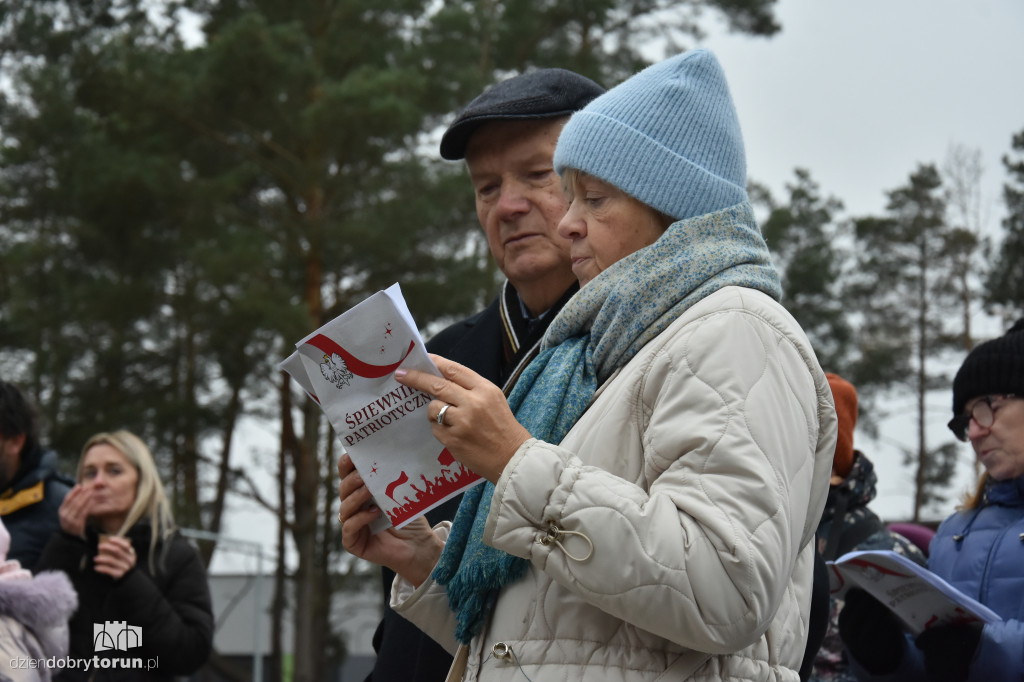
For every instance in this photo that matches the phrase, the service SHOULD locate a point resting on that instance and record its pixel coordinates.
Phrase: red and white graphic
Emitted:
(382, 424)
(918, 597)
(350, 363)
(411, 498)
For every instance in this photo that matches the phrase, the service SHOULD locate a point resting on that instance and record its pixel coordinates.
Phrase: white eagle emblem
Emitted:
(334, 370)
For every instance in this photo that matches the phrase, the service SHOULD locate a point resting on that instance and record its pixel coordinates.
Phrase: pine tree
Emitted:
(805, 240)
(1005, 284)
(904, 296)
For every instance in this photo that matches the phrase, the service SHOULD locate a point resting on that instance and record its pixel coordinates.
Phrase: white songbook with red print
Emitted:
(917, 596)
(348, 367)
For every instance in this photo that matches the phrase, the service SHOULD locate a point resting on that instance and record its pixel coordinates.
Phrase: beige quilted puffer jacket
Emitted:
(670, 533)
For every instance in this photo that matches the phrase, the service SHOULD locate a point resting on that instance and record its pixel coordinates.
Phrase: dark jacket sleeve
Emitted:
(63, 552)
(177, 621)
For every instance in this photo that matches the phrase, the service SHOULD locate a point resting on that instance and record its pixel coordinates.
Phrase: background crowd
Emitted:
(666, 461)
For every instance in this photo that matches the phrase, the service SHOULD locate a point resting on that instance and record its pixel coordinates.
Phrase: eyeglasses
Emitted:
(981, 412)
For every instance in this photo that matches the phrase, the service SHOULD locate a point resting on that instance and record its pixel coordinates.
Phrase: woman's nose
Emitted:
(571, 226)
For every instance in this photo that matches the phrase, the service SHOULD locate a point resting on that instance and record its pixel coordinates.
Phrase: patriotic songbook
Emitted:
(348, 368)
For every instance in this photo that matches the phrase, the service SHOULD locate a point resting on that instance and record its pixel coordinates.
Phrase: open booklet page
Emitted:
(917, 596)
(348, 366)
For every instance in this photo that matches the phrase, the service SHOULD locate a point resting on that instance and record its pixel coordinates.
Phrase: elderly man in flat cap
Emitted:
(507, 136)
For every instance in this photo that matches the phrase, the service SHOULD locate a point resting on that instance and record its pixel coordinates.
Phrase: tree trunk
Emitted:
(223, 471)
(277, 608)
(304, 497)
(190, 449)
(323, 606)
(922, 380)
(305, 493)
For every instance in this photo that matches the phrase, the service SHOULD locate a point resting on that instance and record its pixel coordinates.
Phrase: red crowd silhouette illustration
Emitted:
(453, 477)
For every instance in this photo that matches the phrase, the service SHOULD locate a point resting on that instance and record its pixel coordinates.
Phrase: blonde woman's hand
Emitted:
(115, 556)
(74, 510)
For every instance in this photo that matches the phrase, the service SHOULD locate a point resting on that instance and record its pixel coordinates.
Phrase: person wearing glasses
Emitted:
(979, 549)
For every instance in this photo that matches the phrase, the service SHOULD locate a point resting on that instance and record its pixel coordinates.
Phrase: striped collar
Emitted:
(522, 333)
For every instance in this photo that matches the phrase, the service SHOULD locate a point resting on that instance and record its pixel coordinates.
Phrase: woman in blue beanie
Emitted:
(654, 481)
(979, 549)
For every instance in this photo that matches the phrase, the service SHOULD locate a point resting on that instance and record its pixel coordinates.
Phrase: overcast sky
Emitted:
(859, 93)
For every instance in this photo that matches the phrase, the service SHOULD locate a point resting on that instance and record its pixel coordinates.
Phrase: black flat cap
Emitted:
(544, 93)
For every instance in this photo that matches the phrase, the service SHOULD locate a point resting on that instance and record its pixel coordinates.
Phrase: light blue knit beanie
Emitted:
(668, 136)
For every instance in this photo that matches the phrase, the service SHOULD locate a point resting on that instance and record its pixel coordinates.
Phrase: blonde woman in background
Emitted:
(120, 547)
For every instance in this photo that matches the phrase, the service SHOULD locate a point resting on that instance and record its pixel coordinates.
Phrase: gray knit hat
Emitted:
(543, 93)
(668, 136)
(996, 366)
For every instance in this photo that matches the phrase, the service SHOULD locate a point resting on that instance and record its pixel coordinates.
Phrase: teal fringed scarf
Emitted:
(599, 330)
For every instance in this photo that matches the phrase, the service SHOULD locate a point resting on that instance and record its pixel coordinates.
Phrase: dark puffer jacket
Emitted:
(856, 527)
(29, 507)
(171, 606)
